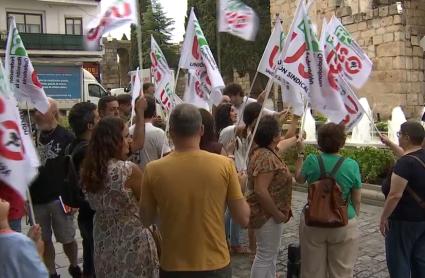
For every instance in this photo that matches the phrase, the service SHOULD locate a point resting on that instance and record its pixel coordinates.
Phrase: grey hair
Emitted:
(185, 120)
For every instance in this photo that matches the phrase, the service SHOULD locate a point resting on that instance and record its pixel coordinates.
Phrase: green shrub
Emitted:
(320, 117)
(374, 163)
(382, 126)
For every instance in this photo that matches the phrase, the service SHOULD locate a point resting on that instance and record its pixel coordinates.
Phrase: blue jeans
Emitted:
(16, 225)
(233, 230)
(405, 249)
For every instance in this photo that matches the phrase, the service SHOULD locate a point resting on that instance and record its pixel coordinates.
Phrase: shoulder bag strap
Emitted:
(411, 191)
(321, 166)
(274, 153)
(337, 166)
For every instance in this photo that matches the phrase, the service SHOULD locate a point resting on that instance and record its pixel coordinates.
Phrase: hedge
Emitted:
(374, 162)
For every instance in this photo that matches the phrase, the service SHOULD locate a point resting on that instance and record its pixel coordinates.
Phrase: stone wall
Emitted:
(114, 73)
(390, 38)
(242, 80)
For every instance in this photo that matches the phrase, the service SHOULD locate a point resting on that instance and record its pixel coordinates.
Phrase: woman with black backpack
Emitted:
(328, 227)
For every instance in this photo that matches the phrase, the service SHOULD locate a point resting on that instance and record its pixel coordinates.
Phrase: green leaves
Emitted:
(374, 163)
(156, 23)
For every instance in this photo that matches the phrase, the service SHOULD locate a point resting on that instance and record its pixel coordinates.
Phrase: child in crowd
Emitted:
(19, 254)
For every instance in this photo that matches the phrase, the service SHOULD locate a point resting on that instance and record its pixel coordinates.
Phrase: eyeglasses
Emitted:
(399, 134)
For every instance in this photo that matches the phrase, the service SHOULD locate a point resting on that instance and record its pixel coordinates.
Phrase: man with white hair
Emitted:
(50, 213)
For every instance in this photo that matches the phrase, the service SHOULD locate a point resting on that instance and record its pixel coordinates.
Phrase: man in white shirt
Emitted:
(240, 101)
(156, 141)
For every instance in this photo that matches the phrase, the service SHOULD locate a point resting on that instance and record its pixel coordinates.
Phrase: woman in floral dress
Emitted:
(122, 246)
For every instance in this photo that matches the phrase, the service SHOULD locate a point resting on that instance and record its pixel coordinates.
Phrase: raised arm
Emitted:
(139, 125)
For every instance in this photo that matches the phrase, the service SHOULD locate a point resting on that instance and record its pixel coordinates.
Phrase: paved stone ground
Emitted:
(370, 262)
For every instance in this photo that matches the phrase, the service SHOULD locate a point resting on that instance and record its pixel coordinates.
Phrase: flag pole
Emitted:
(300, 133)
(218, 41)
(177, 78)
(30, 204)
(139, 38)
(268, 89)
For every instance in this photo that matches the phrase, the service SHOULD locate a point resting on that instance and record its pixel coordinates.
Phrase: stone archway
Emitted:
(123, 66)
(115, 64)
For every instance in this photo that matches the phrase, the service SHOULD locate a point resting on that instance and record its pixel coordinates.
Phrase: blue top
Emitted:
(19, 257)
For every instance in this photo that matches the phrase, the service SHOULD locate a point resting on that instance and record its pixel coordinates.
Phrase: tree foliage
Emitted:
(236, 53)
(156, 23)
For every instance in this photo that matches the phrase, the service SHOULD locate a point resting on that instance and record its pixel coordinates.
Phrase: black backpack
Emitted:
(71, 192)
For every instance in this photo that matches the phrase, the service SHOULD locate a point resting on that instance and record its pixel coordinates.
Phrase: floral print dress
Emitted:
(122, 246)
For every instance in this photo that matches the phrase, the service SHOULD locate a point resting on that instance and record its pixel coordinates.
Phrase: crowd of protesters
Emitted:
(154, 204)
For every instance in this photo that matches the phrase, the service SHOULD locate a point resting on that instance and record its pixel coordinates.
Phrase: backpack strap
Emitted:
(77, 148)
(67, 149)
(337, 166)
(321, 166)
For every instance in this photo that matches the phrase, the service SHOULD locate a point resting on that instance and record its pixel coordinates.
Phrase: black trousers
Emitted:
(85, 224)
(225, 272)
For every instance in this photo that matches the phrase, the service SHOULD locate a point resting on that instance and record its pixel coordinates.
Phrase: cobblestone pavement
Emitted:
(370, 262)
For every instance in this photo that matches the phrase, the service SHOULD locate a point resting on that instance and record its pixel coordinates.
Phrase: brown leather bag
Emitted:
(326, 206)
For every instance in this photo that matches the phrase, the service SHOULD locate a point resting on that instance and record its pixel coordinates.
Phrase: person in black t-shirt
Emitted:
(51, 142)
(82, 118)
(403, 218)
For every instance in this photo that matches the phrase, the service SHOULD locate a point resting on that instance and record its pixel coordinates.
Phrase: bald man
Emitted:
(52, 140)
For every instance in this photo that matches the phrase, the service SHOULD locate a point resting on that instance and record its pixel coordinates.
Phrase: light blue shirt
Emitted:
(19, 257)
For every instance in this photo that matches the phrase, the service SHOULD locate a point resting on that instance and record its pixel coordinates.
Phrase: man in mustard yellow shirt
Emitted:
(190, 189)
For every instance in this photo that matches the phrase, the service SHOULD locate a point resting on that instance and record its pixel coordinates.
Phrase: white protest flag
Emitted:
(338, 83)
(119, 13)
(136, 91)
(17, 153)
(164, 93)
(197, 89)
(272, 51)
(344, 56)
(159, 65)
(196, 54)
(303, 66)
(163, 79)
(21, 73)
(293, 98)
(238, 19)
(352, 104)
(267, 67)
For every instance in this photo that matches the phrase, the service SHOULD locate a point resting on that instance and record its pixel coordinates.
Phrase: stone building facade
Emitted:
(115, 64)
(389, 31)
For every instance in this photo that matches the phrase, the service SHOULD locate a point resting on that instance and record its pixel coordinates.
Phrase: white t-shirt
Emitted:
(226, 136)
(241, 108)
(155, 141)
